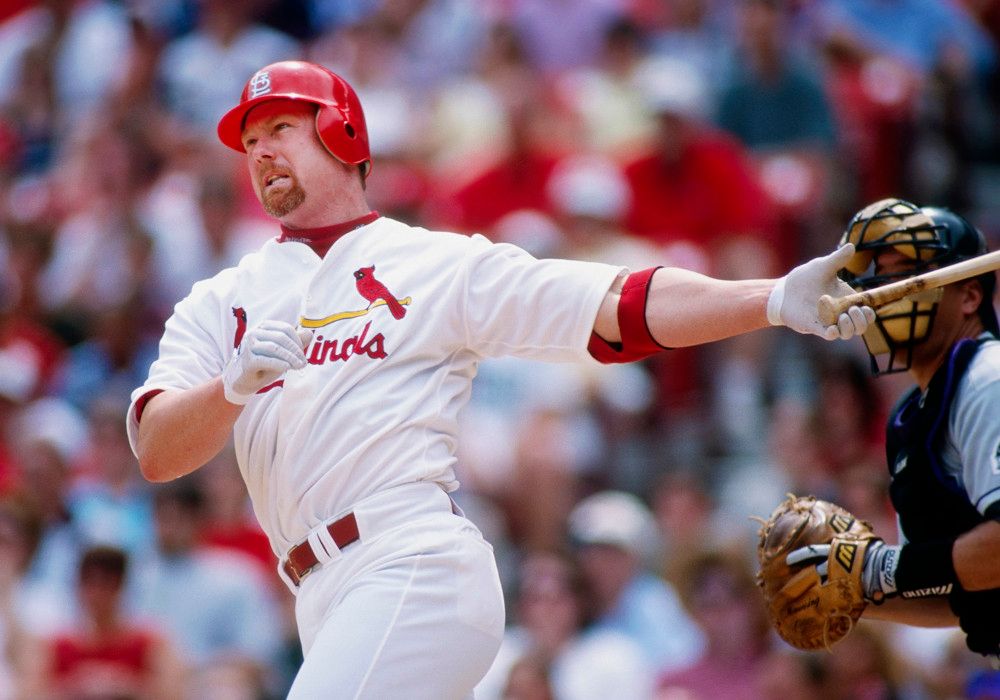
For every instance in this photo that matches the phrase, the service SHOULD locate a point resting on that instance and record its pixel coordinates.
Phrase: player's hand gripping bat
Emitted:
(830, 308)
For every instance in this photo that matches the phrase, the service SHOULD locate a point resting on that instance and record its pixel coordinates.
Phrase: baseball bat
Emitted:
(830, 308)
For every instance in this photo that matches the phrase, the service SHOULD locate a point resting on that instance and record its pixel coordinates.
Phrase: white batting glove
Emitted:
(795, 298)
(266, 352)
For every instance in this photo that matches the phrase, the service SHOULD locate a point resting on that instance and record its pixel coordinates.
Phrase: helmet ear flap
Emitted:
(343, 139)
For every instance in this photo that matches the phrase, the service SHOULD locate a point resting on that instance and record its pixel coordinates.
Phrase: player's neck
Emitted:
(325, 217)
(923, 372)
(929, 359)
(321, 238)
(336, 204)
(329, 231)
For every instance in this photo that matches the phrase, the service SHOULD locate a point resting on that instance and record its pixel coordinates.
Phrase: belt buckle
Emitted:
(290, 570)
(300, 577)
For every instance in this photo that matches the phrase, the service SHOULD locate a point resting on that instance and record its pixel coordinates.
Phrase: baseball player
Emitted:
(339, 355)
(943, 438)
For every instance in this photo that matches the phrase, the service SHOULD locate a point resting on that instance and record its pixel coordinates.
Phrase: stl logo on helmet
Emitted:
(260, 84)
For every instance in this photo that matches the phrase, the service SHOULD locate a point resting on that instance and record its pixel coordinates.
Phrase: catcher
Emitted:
(820, 568)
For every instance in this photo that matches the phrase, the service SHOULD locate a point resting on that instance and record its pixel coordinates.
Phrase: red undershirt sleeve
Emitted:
(140, 403)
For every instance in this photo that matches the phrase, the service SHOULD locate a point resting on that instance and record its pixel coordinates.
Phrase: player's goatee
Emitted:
(282, 202)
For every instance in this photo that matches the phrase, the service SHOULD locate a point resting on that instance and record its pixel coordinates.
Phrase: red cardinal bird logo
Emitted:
(241, 325)
(373, 290)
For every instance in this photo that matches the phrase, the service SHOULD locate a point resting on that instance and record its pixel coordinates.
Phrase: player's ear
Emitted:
(972, 296)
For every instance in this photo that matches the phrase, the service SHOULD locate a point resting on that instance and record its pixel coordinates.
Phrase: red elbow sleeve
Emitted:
(637, 342)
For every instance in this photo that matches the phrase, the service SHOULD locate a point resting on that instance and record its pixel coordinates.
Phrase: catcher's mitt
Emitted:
(812, 606)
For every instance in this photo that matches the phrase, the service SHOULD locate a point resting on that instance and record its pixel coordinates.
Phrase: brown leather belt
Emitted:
(301, 558)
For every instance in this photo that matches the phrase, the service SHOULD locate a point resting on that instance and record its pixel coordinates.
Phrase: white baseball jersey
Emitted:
(971, 450)
(378, 403)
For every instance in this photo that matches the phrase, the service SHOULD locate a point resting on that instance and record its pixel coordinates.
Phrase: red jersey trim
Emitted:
(140, 403)
(322, 238)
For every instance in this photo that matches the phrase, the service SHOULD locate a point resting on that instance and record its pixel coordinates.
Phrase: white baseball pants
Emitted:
(413, 610)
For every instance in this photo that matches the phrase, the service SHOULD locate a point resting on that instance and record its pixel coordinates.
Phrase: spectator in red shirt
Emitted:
(695, 184)
(106, 655)
(518, 180)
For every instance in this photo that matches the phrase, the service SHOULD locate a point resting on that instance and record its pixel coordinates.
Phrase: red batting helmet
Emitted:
(340, 122)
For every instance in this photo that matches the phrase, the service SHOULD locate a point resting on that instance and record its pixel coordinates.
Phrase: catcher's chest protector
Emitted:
(929, 502)
(916, 432)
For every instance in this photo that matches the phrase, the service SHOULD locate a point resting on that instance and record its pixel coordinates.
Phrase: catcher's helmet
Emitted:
(340, 122)
(931, 237)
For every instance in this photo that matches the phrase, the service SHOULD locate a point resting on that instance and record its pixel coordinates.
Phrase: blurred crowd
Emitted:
(733, 137)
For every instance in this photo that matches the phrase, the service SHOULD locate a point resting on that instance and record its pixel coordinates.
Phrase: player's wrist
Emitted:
(233, 396)
(913, 570)
(774, 301)
(794, 299)
(878, 577)
(234, 378)
(926, 568)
